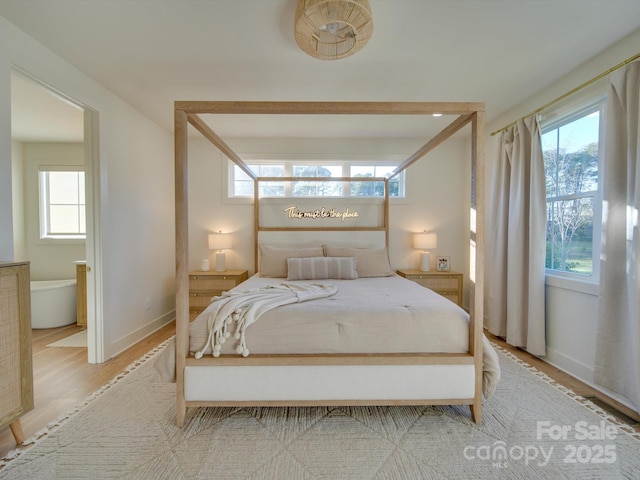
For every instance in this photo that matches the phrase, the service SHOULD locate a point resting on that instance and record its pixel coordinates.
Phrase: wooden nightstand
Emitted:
(205, 285)
(447, 284)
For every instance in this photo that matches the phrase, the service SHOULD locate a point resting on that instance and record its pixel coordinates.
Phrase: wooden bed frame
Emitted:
(186, 112)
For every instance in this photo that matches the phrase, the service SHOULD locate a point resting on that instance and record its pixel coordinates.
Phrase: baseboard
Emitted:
(585, 374)
(134, 337)
(579, 370)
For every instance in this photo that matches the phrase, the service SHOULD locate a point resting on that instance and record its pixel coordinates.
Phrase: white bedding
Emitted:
(236, 310)
(367, 315)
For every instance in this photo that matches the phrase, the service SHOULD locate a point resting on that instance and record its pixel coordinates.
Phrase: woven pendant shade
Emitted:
(332, 29)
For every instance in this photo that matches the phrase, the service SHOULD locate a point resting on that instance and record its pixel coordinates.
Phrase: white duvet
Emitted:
(368, 315)
(242, 307)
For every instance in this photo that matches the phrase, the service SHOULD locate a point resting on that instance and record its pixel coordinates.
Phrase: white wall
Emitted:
(432, 203)
(18, 202)
(133, 187)
(50, 259)
(6, 188)
(571, 308)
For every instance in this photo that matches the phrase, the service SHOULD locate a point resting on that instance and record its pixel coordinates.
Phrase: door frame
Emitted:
(93, 243)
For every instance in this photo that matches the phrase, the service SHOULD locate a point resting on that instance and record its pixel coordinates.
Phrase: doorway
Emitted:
(51, 132)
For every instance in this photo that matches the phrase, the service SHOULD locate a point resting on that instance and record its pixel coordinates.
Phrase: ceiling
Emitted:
(151, 53)
(39, 115)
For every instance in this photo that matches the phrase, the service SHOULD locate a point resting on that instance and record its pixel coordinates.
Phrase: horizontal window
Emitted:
(241, 185)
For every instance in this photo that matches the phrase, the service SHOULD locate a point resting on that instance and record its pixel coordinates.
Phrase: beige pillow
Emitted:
(371, 262)
(273, 260)
(319, 268)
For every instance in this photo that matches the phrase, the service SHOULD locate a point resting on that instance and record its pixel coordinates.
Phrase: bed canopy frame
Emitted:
(187, 112)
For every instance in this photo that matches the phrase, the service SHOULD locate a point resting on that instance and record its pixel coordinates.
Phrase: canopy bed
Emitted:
(374, 364)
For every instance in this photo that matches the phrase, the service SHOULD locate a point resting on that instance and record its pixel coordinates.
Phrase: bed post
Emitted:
(182, 258)
(476, 255)
(256, 222)
(386, 214)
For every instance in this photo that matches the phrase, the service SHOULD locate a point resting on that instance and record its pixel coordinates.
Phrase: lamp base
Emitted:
(425, 262)
(220, 267)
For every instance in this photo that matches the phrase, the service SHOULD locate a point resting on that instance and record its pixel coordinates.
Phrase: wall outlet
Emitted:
(147, 303)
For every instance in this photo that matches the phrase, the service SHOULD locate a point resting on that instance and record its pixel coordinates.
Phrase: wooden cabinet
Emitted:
(447, 284)
(205, 285)
(16, 372)
(81, 294)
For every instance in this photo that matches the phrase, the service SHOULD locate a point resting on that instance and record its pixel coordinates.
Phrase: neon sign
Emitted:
(293, 212)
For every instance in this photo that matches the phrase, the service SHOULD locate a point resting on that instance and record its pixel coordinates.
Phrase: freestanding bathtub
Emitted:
(53, 303)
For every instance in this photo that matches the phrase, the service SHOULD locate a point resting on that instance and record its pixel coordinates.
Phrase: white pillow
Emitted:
(318, 268)
(273, 260)
(371, 262)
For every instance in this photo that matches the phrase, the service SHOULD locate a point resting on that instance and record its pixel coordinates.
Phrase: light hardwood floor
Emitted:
(63, 378)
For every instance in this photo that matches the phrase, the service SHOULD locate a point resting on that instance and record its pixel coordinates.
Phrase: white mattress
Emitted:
(368, 315)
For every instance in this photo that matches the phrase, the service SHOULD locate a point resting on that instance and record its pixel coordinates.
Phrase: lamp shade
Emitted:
(425, 241)
(219, 241)
(332, 29)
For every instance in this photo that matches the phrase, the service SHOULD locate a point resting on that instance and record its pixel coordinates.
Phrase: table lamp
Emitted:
(425, 241)
(220, 241)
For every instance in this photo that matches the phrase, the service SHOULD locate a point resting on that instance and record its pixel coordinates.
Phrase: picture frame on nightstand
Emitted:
(442, 264)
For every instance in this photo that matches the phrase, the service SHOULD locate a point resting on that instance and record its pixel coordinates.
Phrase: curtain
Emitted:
(617, 364)
(515, 249)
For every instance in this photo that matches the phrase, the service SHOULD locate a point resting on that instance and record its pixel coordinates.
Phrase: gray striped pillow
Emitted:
(319, 268)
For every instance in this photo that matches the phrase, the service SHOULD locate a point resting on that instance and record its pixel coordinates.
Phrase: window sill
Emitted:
(49, 241)
(588, 287)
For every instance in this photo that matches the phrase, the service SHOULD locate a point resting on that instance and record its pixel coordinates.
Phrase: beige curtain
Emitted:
(515, 249)
(618, 343)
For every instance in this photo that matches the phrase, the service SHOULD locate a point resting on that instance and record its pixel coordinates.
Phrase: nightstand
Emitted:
(447, 284)
(205, 285)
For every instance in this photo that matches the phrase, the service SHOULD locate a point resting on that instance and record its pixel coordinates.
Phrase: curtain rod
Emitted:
(571, 92)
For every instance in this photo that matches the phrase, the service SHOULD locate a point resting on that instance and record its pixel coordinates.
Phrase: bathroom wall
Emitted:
(50, 259)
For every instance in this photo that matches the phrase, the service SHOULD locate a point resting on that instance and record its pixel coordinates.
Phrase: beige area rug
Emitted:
(76, 340)
(532, 429)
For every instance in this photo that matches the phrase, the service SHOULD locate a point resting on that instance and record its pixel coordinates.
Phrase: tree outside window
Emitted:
(242, 186)
(571, 159)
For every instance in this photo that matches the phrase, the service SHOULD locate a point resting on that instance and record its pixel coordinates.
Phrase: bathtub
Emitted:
(53, 303)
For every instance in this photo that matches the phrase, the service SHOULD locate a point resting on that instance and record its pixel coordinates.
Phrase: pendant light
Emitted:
(333, 29)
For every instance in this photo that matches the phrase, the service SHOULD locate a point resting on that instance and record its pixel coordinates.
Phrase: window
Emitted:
(316, 189)
(62, 203)
(242, 186)
(374, 189)
(571, 148)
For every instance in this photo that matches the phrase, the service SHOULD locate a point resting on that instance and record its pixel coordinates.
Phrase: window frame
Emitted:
(44, 219)
(289, 163)
(556, 119)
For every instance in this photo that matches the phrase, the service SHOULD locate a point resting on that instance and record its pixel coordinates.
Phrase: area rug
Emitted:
(76, 340)
(532, 428)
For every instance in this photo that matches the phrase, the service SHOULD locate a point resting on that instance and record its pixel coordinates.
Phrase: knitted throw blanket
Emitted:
(237, 309)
